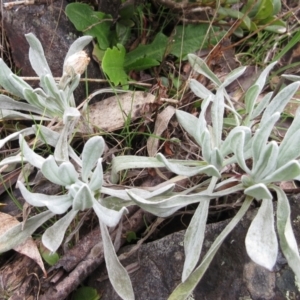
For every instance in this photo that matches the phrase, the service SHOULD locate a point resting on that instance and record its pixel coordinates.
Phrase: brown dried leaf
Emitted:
(111, 114)
(28, 247)
(161, 125)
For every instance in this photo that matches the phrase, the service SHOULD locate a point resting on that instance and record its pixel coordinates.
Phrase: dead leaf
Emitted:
(28, 247)
(161, 125)
(111, 114)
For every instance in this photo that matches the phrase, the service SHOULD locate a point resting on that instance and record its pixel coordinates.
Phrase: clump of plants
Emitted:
(82, 175)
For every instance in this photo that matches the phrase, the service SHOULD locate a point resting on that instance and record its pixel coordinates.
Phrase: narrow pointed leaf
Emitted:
(217, 116)
(117, 274)
(188, 171)
(233, 75)
(266, 164)
(54, 235)
(30, 156)
(201, 67)
(237, 146)
(78, 45)
(193, 239)
(83, 199)
(64, 175)
(289, 147)
(97, 177)
(16, 235)
(279, 102)
(200, 90)
(184, 289)
(258, 191)
(167, 205)
(287, 172)
(261, 137)
(92, 151)
(36, 56)
(57, 204)
(8, 103)
(286, 235)
(10, 83)
(261, 240)
(109, 217)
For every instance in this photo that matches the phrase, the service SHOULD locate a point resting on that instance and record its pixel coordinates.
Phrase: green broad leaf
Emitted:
(209, 170)
(261, 240)
(193, 239)
(37, 56)
(90, 22)
(123, 33)
(86, 293)
(184, 289)
(130, 236)
(92, 151)
(288, 243)
(57, 204)
(258, 191)
(113, 64)
(50, 258)
(154, 51)
(144, 63)
(265, 10)
(188, 39)
(54, 235)
(280, 28)
(18, 234)
(229, 12)
(276, 6)
(83, 199)
(117, 274)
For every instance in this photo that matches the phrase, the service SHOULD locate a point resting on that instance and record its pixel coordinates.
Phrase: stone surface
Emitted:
(157, 268)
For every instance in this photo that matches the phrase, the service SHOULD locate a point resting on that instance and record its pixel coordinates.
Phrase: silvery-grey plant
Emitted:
(52, 100)
(271, 163)
(85, 189)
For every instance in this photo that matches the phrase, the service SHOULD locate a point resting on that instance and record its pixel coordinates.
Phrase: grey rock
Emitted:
(231, 275)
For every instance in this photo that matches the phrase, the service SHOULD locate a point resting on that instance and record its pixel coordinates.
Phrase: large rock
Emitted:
(156, 268)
